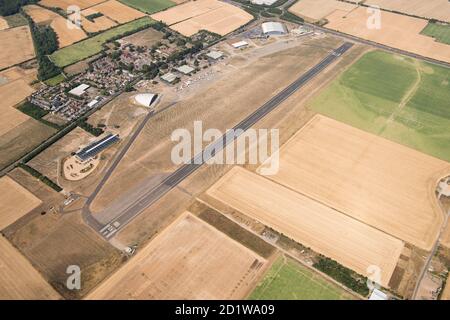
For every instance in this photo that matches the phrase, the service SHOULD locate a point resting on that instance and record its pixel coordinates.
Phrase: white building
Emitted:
(169, 77)
(215, 55)
(80, 90)
(145, 99)
(378, 295)
(240, 44)
(263, 2)
(92, 103)
(273, 28)
(185, 69)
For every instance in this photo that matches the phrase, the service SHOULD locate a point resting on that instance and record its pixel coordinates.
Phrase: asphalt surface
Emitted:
(108, 230)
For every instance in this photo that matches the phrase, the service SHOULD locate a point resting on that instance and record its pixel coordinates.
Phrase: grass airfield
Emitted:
(401, 99)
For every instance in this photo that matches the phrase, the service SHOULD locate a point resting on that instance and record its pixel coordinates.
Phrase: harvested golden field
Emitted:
(211, 15)
(67, 32)
(18, 279)
(3, 24)
(189, 260)
(16, 73)
(99, 24)
(381, 183)
(397, 31)
(309, 222)
(117, 11)
(39, 14)
(52, 242)
(15, 200)
(315, 10)
(17, 46)
(11, 94)
(12, 143)
(430, 9)
(64, 4)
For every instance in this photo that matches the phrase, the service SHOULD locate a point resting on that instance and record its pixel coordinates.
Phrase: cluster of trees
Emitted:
(94, 16)
(37, 113)
(9, 7)
(45, 43)
(83, 124)
(344, 275)
(179, 55)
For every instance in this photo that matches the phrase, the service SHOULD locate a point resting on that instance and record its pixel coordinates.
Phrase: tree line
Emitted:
(45, 43)
(9, 7)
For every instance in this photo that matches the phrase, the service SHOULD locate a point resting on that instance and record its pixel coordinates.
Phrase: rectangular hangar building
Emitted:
(96, 147)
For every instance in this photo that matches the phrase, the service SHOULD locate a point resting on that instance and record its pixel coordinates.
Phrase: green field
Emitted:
(441, 32)
(89, 47)
(288, 280)
(55, 80)
(16, 20)
(149, 6)
(401, 99)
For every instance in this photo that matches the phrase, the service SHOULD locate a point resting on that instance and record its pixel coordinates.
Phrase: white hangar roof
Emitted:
(273, 27)
(145, 99)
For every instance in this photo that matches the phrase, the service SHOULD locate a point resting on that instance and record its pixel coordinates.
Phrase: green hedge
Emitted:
(343, 275)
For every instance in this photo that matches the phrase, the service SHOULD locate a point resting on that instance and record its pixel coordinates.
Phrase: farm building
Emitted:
(145, 99)
(378, 295)
(240, 44)
(214, 55)
(95, 148)
(185, 69)
(273, 28)
(263, 2)
(80, 90)
(169, 78)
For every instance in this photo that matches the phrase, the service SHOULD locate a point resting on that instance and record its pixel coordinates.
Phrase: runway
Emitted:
(156, 193)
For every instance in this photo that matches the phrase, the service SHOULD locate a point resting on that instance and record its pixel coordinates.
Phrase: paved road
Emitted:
(154, 194)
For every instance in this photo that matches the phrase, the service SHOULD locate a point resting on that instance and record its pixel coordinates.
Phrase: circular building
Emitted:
(146, 99)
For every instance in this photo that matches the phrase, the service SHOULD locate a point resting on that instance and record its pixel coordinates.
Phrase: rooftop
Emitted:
(169, 77)
(78, 91)
(96, 147)
(185, 69)
(215, 55)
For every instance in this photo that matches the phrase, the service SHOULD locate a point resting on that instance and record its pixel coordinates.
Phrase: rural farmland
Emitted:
(184, 262)
(373, 179)
(309, 222)
(397, 98)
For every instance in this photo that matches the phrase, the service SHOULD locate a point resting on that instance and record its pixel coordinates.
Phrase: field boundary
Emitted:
(327, 277)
